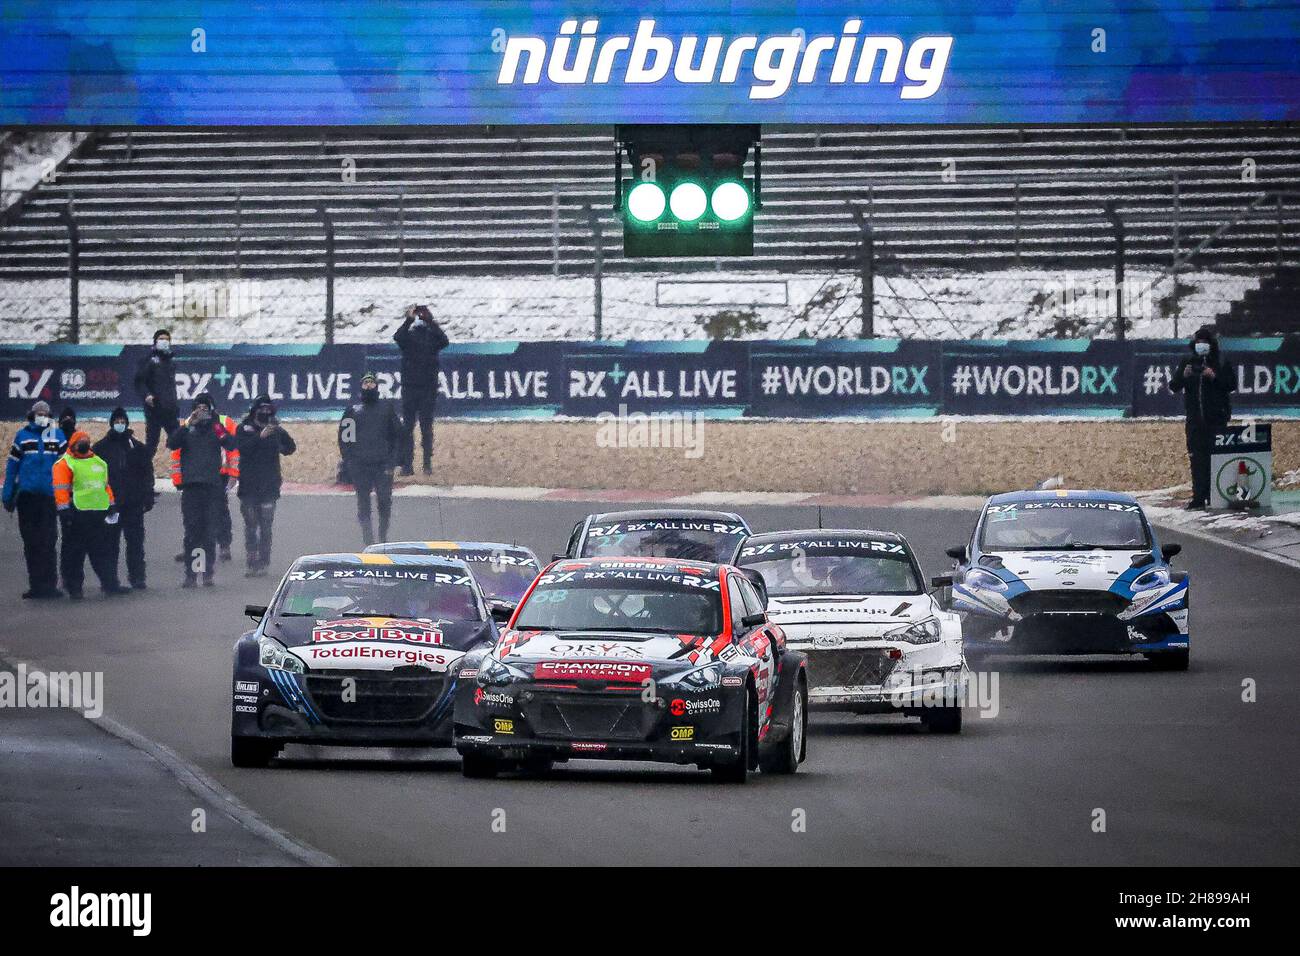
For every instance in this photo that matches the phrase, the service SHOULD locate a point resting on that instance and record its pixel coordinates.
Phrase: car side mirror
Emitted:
(1169, 551)
(255, 611)
(941, 581)
(501, 610)
(755, 577)
(557, 556)
(753, 620)
(958, 553)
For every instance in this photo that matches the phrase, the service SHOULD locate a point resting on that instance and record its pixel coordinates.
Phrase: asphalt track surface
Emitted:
(1186, 772)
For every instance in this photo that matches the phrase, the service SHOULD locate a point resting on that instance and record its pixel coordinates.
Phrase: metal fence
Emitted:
(364, 265)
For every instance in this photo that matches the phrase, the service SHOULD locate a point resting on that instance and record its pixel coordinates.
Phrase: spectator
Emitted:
(370, 435)
(29, 488)
(1207, 380)
(420, 339)
(130, 473)
(155, 380)
(200, 439)
(84, 499)
(261, 442)
(68, 421)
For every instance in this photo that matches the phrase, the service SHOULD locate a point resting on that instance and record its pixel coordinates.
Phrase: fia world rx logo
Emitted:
(30, 383)
(769, 65)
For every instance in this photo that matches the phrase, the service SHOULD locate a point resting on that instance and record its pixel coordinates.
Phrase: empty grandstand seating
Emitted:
(511, 200)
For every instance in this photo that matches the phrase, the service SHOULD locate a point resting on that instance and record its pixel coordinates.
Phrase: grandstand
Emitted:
(511, 201)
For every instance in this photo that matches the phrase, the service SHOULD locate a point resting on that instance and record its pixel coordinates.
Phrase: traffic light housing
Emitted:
(687, 194)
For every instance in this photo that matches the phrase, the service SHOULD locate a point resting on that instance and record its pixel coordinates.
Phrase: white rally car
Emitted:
(1071, 572)
(854, 601)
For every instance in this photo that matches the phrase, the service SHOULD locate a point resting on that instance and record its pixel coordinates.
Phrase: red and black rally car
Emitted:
(687, 533)
(635, 659)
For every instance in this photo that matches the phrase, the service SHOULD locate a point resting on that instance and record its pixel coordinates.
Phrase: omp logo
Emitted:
(683, 733)
(776, 61)
(25, 384)
(502, 726)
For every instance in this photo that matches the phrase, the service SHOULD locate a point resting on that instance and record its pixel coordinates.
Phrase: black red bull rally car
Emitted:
(629, 658)
(356, 649)
(685, 533)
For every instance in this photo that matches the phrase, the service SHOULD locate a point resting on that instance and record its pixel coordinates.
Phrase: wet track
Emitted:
(1184, 769)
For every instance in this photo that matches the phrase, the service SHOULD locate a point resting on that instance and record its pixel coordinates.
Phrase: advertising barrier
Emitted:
(794, 378)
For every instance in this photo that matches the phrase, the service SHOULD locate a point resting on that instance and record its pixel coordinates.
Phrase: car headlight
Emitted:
(979, 578)
(1156, 578)
(698, 679)
(492, 671)
(922, 632)
(272, 654)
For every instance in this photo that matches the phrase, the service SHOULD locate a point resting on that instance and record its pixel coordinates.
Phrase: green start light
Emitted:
(688, 201)
(730, 201)
(645, 202)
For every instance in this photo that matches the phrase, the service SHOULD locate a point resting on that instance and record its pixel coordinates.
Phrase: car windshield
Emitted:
(584, 602)
(380, 592)
(1063, 525)
(501, 575)
(829, 566)
(682, 539)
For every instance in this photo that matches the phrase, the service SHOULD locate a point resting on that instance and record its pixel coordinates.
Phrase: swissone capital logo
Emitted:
(770, 65)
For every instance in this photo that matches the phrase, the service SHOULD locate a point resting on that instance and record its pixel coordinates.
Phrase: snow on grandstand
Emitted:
(976, 232)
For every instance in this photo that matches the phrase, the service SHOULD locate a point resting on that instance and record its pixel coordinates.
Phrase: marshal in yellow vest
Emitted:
(89, 483)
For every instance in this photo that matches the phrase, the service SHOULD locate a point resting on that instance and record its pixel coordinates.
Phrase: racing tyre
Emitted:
(737, 769)
(941, 720)
(478, 767)
(251, 752)
(792, 716)
(1178, 660)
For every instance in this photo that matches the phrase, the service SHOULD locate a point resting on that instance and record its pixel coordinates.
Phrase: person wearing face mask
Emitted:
(1207, 380)
(130, 473)
(201, 440)
(262, 440)
(370, 436)
(420, 338)
(68, 421)
(155, 380)
(29, 489)
(83, 496)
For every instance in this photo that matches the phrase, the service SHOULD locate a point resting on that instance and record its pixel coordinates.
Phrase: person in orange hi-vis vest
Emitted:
(84, 500)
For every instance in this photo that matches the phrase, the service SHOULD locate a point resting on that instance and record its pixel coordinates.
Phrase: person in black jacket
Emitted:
(261, 441)
(1207, 380)
(420, 339)
(68, 421)
(155, 380)
(370, 435)
(130, 473)
(200, 439)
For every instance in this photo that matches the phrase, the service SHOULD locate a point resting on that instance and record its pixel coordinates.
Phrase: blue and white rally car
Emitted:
(356, 649)
(1070, 572)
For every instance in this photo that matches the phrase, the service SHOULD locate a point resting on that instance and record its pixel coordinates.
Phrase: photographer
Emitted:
(1207, 381)
(420, 338)
(261, 441)
(201, 440)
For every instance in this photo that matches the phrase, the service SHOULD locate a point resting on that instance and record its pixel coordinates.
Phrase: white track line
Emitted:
(198, 783)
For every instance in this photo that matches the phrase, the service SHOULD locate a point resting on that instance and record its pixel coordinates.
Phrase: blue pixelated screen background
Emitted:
(364, 62)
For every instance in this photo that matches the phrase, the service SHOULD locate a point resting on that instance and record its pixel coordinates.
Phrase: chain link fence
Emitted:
(255, 278)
